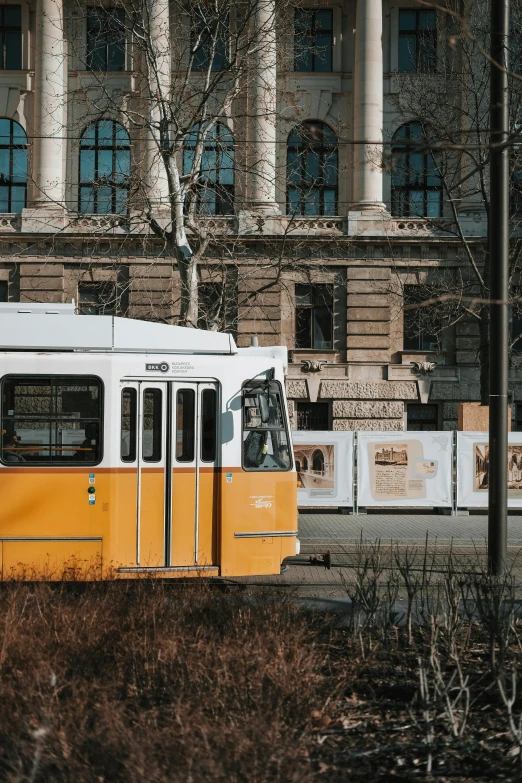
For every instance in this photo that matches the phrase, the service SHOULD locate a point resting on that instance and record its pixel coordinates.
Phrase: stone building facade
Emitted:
(351, 366)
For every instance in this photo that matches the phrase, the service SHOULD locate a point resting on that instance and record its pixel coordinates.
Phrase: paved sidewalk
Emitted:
(339, 534)
(403, 528)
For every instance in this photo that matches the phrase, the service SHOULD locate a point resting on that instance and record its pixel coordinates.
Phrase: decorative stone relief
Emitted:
(375, 425)
(423, 368)
(386, 390)
(365, 410)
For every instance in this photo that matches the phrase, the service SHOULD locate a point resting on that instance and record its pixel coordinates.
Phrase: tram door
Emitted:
(176, 458)
(194, 475)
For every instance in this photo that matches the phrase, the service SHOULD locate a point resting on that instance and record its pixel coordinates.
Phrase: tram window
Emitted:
(185, 425)
(152, 425)
(208, 425)
(51, 420)
(129, 404)
(265, 443)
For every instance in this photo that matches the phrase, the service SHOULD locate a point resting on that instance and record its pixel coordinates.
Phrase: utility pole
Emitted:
(498, 306)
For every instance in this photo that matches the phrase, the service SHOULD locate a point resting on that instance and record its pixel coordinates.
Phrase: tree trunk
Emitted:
(188, 315)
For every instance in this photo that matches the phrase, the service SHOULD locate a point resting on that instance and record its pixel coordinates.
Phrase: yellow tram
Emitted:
(135, 447)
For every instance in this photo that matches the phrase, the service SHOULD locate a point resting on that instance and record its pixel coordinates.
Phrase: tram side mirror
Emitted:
(264, 410)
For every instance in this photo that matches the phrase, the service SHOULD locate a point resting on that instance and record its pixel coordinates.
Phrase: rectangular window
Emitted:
(208, 425)
(313, 416)
(106, 39)
(422, 418)
(185, 425)
(421, 325)
(265, 430)
(4, 291)
(11, 37)
(51, 420)
(518, 417)
(209, 39)
(313, 40)
(314, 316)
(417, 41)
(97, 299)
(151, 434)
(515, 322)
(129, 407)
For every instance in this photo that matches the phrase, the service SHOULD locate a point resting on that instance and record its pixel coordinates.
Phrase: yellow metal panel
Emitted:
(208, 516)
(183, 516)
(152, 517)
(52, 559)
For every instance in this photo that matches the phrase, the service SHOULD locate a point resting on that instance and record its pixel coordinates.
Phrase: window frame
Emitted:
(224, 194)
(301, 150)
(106, 12)
(418, 33)
(6, 29)
(421, 334)
(93, 284)
(249, 385)
(9, 183)
(78, 380)
(312, 307)
(197, 27)
(313, 32)
(133, 429)
(402, 148)
(97, 182)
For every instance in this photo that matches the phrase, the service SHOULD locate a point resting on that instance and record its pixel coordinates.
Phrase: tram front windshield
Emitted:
(265, 435)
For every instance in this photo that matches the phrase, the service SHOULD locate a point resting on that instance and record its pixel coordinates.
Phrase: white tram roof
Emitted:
(34, 326)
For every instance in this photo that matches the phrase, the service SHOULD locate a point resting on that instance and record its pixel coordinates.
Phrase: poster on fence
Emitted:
(324, 465)
(473, 469)
(404, 469)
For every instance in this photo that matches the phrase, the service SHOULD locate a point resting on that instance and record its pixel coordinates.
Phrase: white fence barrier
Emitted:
(400, 469)
(324, 462)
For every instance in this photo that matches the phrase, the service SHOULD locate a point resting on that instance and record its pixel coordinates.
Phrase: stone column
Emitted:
(368, 107)
(49, 124)
(159, 93)
(262, 173)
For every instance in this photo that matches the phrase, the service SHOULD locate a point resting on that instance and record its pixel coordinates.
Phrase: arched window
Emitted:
(13, 166)
(318, 462)
(416, 182)
(312, 163)
(215, 183)
(104, 169)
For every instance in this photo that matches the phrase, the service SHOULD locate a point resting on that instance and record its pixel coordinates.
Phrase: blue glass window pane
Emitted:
(427, 20)
(19, 166)
(121, 201)
(87, 201)
(329, 202)
(323, 20)
(417, 203)
(433, 178)
(13, 16)
(416, 168)
(407, 20)
(88, 135)
(105, 131)
(304, 53)
(311, 167)
(13, 51)
(104, 201)
(208, 165)
(19, 135)
(330, 169)
(226, 169)
(5, 131)
(86, 165)
(104, 163)
(5, 156)
(17, 199)
(207, 201)
(303, 19)
(434, 204)
(188, 161)
(294, 197)
(294, 167)
(312, 202)
(121, 135)
(122, 165)
(407, 45)
(323, 53)
(4, 199)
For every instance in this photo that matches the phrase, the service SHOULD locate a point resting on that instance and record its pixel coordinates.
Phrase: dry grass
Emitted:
(145, 681)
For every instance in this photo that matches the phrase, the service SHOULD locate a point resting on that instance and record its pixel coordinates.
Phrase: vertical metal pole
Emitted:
(498, 308)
